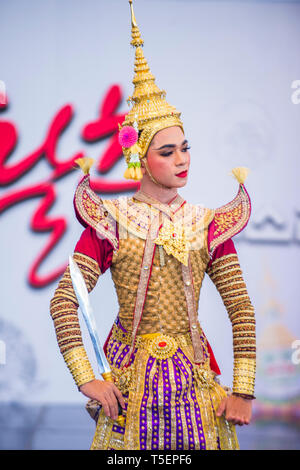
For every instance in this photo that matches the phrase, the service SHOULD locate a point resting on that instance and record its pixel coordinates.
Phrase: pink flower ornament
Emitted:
(128, 136)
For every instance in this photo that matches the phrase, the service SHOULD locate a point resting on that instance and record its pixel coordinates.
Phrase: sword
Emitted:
(82, 295)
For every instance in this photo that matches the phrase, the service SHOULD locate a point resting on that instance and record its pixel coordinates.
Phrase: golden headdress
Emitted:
(150, 111)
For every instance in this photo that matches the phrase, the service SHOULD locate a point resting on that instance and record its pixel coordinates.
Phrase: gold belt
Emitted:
(158, 345)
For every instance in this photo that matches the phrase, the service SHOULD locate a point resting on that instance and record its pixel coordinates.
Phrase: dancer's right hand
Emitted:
(105, 393)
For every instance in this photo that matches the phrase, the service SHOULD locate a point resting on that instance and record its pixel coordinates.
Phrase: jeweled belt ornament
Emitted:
(160, 346)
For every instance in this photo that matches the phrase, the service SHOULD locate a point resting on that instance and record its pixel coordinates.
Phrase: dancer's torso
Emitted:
(165, 307)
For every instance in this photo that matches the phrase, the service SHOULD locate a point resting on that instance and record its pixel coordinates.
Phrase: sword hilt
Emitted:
(108, 377)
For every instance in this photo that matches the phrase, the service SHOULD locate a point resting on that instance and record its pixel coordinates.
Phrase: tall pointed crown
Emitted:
(150, 111)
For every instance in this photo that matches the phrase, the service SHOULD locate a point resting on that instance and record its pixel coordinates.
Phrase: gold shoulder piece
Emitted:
(230, 219)
(90, 211)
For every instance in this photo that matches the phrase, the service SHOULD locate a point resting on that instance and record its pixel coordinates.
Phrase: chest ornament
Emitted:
(173, 238)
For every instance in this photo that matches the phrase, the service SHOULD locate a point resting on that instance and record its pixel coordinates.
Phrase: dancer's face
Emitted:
(168, 156)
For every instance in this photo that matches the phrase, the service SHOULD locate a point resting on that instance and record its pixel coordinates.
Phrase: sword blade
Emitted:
(82, 295)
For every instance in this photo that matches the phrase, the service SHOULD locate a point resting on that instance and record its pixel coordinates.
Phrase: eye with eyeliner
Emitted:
(167, 154)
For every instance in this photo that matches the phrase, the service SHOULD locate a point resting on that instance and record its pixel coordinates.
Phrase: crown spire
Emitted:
(135, 32)
(148, 99)
(133, 20)
(150, 112)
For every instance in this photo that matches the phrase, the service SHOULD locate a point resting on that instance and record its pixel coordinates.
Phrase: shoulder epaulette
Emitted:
(91, 212)
(231, 218)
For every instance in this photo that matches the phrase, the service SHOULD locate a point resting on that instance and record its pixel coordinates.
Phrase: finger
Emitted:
(221, 407)
(231, 419)
(105, 407)
(244, 421)
(119, 397)
(113, 405)
(238, 422)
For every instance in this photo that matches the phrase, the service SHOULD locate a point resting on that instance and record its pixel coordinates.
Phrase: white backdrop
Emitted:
(229, 67)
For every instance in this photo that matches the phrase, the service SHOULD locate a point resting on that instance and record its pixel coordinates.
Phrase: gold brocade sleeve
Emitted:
(226, 274)
(63, 310)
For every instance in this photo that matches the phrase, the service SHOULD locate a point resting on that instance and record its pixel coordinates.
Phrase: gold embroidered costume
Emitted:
(158, 255)
(174, 395)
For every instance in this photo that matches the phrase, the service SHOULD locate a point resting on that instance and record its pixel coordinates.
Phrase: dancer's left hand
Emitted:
(236, 409)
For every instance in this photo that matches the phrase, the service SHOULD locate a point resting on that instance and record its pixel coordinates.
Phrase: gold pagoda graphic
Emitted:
(278, 373)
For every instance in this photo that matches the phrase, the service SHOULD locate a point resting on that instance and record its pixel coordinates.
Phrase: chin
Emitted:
(174, 185)
(181, 184)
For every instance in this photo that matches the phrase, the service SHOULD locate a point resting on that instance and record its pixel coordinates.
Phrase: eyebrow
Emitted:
(171, 145)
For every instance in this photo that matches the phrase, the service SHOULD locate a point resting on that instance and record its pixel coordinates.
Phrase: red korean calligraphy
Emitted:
(105, 126)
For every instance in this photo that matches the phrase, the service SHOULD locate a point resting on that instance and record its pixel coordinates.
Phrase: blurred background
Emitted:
(233, 69)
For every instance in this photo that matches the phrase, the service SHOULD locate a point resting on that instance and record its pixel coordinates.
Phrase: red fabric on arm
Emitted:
(100, 249)
(226, 248)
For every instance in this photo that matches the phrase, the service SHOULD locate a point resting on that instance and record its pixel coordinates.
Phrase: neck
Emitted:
(164, 195)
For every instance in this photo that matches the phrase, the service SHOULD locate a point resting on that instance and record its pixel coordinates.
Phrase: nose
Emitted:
(180, 158)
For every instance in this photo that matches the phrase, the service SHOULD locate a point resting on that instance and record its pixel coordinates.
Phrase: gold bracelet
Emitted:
(79, 365)
(244, 376)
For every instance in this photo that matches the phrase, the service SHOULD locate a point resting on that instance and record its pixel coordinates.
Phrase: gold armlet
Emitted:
(244, 376)
(79, 365)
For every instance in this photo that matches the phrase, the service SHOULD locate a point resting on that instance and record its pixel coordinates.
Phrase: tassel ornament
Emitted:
(134, 166)
(240, 173)
(85, 164)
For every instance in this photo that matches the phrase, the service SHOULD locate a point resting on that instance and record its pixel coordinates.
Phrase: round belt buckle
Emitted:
(162, 346)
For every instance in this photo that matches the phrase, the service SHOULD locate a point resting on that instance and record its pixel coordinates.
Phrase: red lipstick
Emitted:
(183, 174)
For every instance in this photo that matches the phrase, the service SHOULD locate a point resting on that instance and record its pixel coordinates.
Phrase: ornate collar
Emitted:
(135, 214)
